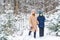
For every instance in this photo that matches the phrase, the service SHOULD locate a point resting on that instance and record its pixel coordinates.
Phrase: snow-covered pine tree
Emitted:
(7, 27)
(54, 25)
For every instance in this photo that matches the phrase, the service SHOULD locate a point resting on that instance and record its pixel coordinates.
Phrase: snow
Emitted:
(23, 33)
(26, 37)
(22, 26)
(58, 7)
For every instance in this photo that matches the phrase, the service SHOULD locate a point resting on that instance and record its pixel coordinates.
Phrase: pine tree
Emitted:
(7, 28)
(53, 26)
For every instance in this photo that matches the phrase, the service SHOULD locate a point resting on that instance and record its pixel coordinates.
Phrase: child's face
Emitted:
(41, 14)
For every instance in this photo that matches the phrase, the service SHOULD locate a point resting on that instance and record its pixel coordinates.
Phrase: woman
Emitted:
(33, 23)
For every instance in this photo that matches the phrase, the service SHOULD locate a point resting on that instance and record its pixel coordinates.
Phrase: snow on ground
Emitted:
(26, 37)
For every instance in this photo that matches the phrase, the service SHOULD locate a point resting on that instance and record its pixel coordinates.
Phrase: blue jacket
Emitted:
(41, 20)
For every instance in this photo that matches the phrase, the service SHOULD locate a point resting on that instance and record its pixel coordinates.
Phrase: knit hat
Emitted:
(40, 12)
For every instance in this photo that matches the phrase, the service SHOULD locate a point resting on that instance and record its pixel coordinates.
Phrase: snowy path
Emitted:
(25, 36)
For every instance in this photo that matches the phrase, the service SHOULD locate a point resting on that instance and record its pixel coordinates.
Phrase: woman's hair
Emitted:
(33, 10)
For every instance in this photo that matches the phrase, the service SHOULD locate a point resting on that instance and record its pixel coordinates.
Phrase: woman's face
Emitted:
(33, 13)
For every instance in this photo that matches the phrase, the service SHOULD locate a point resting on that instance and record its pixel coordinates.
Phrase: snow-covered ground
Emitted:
(26, 37)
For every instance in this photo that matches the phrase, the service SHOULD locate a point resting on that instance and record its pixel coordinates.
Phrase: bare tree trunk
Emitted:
(4, 6)
(16, 7)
